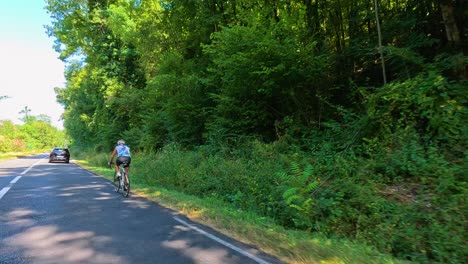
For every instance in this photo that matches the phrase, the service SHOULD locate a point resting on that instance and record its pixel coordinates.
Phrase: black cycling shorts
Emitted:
(124, 160)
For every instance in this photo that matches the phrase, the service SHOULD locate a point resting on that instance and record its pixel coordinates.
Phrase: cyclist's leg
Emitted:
(128, 160)
(116, 166)
(122, 160)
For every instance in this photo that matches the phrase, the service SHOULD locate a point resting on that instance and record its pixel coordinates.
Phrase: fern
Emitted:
(289, 193)
(300, 184)
(308, 170)
(311, 186)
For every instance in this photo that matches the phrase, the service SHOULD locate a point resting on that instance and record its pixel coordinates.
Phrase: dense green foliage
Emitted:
(279, 107)
(37, 133)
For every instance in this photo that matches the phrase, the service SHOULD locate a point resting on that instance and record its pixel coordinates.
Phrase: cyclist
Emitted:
(123, 156)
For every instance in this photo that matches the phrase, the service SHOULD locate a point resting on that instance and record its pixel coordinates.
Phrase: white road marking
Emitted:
(219, 240)
(15, 179)
(6, 189)
(3, 191)
(30, 167)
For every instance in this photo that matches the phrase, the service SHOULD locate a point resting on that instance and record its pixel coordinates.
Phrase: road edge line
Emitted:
(219, 240)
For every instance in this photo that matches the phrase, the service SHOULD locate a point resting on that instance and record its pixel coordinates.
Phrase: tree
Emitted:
(26, 111)
(132, 52)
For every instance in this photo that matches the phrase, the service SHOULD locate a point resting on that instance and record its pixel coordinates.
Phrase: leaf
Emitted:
(290, 192)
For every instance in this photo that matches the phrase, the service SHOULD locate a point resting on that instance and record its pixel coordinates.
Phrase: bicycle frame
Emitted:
(120, 183)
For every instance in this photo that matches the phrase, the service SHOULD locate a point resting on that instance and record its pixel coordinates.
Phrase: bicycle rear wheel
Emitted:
(126, 187)
(116, 183)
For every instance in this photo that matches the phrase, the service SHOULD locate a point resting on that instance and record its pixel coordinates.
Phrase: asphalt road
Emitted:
(61, 213)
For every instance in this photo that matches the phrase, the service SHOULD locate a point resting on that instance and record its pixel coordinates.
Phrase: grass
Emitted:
(291, 246)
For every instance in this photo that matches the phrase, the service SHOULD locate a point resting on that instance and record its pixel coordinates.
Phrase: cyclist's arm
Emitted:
(113, 155)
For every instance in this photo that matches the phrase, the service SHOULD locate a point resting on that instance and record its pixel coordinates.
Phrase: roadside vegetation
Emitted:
(35, 135)
(246, 225)
(311, 116)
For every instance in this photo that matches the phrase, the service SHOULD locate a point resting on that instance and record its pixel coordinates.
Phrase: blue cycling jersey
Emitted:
(123, 151)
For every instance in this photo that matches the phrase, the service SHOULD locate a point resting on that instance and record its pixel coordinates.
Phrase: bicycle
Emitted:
(119, 182)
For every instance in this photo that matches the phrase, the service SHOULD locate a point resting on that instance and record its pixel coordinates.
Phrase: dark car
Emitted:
(59, 154)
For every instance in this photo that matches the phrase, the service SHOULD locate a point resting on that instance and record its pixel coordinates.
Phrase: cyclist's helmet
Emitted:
(120, 142)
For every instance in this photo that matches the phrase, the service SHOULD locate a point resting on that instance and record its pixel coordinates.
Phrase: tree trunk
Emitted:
(312, 16)
(451, 28)
(382, 59)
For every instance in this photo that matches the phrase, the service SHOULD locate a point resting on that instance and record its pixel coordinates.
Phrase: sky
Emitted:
(29, 66)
